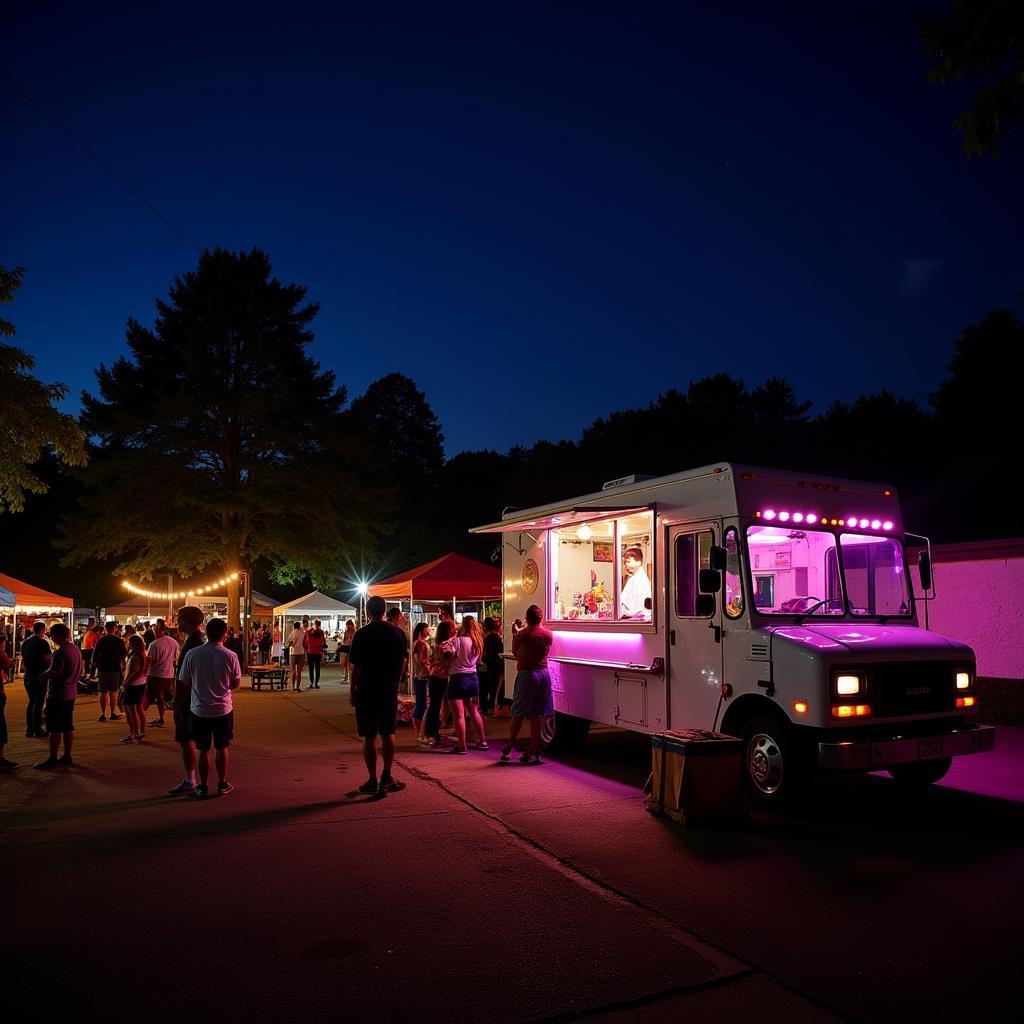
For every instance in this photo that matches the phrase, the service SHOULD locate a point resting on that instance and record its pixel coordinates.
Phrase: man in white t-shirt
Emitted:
(212, 672)
(160, 658)
(297, 642)
(637, 591)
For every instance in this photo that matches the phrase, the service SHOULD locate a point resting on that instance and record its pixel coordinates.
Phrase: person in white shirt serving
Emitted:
(637, 591)
(213, 672)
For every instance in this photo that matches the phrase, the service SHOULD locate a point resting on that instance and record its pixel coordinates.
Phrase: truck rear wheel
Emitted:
(770, 763)
(918, 774)
(563, 732)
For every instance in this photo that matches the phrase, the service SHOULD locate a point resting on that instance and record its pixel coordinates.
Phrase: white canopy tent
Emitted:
(331, 613)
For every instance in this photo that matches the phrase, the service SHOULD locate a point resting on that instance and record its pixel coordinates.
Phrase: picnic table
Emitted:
(272, 675)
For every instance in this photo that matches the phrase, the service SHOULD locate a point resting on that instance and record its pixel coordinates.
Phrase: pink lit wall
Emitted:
(980, 601)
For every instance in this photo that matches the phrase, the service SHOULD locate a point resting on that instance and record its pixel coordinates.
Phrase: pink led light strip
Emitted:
(811, 518)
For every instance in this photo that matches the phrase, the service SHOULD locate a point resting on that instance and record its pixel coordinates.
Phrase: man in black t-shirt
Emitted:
(35, 657)
(377, 659)
(108, 658)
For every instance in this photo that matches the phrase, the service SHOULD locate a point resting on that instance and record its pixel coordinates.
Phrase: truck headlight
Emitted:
(849, 684)
(963, 680)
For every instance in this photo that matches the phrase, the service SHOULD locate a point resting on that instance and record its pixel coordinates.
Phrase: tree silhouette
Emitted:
(30, 424)
(220, 442)
(981, 39)
(408, 455)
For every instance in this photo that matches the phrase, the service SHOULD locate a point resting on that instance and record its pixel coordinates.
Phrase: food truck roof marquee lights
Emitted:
(784, 516)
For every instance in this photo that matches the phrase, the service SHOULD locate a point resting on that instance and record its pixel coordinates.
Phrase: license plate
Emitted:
(929, 747)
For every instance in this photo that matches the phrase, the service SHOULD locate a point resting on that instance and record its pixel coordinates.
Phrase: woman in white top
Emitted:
(298, 658)
(462, 653)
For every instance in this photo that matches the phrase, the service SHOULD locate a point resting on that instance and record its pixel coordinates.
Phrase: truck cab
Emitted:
(780, 610)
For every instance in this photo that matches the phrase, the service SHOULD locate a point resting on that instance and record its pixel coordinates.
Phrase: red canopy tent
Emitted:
(29, 599)
(25, 601)
(449, 578)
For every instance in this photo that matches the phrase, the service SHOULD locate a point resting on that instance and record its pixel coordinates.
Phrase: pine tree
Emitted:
(221, 441)
(30, 423)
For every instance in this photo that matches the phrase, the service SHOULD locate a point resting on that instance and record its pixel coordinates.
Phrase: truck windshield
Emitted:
(795, 571)
(876, 578)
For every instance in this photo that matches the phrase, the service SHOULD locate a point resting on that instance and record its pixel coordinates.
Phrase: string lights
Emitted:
(177, 595)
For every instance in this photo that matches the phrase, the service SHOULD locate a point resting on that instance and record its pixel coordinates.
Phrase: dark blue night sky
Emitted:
(540, 212)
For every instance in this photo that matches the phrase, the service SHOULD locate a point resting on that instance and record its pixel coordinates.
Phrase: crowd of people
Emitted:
(164, 665)
(193, 670)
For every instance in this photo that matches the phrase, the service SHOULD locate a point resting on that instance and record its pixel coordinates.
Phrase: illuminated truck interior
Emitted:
(796, 570)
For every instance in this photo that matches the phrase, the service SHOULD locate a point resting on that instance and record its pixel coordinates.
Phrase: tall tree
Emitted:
(980, 39)
(408, 456)
(220, 441)
(30, 423)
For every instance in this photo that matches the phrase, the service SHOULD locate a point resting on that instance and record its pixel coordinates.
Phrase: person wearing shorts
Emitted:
(211, 672)
(59, 710)
(108, 658)
(190, 620)
(531, 698)
(463, 657)
(160, 657)
(377, 660)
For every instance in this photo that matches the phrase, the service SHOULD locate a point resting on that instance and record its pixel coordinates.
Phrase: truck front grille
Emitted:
(912, 688)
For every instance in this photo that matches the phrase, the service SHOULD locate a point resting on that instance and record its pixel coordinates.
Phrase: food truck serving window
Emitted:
(603, 571)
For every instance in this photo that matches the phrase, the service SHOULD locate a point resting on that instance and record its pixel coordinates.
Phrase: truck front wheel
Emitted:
(918, 774)
(563, 732)
(770, 764)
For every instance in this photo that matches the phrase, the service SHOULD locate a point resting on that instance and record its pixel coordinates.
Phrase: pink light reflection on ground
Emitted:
(998, 773)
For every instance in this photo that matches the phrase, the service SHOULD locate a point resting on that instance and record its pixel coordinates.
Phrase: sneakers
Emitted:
(199, 792)
(103, 718)
(127, 739)
(389, 785)
(50, 762)
(458, 750)
(482, 745)
(369, 786)
(65, 759)
(223, 788)
(506, 754)
(115, 718)
(181, 788)
(530, 759)
(157, 723)
(7, 766)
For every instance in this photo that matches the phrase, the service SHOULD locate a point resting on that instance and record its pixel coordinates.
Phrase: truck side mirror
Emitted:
(705, 605)
(709, 581)
(924, 568)
(718, 559)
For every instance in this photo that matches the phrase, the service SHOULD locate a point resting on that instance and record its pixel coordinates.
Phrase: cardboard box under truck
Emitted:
(773, 606)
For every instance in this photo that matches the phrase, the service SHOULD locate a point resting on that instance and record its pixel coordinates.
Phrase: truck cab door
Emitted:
(694, 649)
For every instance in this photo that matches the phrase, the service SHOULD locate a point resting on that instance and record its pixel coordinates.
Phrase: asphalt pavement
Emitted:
(491, 891)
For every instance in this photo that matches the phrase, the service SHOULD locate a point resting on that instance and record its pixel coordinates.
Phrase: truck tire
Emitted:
(563, 732)
(774, 772)
(919, 774)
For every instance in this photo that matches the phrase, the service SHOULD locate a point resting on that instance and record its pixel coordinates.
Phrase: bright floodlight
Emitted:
(361, 589)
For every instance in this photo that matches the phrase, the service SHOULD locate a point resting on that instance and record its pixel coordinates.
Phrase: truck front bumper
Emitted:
(867, 755)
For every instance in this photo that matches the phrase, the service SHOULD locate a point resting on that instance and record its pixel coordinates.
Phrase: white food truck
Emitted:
(769, 605)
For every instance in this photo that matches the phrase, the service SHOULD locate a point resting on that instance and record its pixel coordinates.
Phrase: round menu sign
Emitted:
(530, 577)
